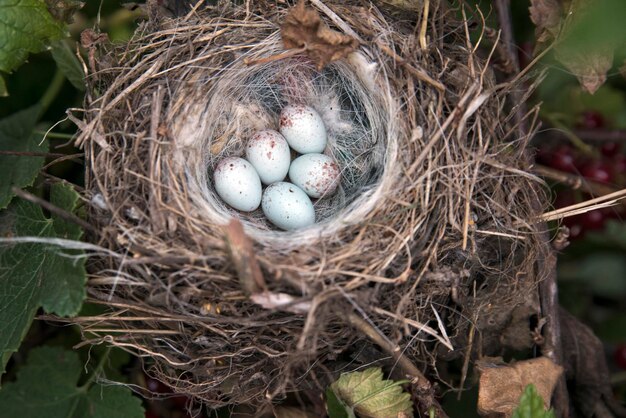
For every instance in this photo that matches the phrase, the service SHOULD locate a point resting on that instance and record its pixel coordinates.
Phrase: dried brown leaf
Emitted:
(546, 15)
(555, 22)
(501, 385)
(304, 29)
(590, 67)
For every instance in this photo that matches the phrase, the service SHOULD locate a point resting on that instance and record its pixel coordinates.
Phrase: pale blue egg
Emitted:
(287, 206)
(238, 184)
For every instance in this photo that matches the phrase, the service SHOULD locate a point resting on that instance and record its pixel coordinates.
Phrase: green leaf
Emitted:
(336, 408)
(46, 386)
(16, 135)
(531, 405)
(68, 63)
(26, 26)
(112, 402)
(613, 235)
(34, 275)
(3, 88)
(21, 277)
(370, 396)
(602, 272)
(64, 288)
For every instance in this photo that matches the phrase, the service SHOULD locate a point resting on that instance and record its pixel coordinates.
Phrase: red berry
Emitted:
(609, 149)
(597, 171)
(563, 159)
(619, 355)
(590, 119)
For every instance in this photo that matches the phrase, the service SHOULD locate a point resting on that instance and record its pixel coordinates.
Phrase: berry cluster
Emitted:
(605, 164)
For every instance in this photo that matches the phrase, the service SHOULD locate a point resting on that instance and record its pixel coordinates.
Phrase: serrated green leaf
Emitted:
(20, 277)
(531, 405)
(47, 386)
(371, 396)
(65, 197)
(26, 26)
(34, 275)
(112, 402)
(16, 135)
(68, 63)
(64, 288)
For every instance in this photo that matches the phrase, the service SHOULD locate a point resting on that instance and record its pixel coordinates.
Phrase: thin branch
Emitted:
(503, 10)
(574, 181)
(244, 259)
(551, 348)
(409, 369)
(424, 390)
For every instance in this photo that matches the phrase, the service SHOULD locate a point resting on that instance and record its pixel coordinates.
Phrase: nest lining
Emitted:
(434, 224)
(354, 102)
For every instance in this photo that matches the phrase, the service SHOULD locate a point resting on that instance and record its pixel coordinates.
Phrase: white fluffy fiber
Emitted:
(351, 96)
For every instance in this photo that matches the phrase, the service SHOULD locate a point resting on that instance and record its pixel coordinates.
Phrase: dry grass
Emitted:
(432, 240)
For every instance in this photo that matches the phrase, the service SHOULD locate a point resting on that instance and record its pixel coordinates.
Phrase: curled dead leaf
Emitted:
(546, 15)
(590, 67)
(501, 384)
(304, 29)
(557, 22)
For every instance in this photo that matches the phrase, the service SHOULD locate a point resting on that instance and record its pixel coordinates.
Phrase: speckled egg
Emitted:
(238, 184)
(317, 174)
(269, 154)
(303, 128)
(287, 206)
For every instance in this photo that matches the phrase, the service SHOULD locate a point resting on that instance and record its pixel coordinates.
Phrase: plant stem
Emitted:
(52, 91)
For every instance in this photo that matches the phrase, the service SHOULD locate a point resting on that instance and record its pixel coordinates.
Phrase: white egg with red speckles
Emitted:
(303, 128)
(317, 174)
(287, 206)
(269, 154)
(238, 184)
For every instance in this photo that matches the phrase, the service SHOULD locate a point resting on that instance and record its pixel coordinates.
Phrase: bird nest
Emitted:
(430, 242)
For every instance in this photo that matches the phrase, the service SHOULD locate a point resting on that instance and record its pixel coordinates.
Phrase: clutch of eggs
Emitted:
(315, 175)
